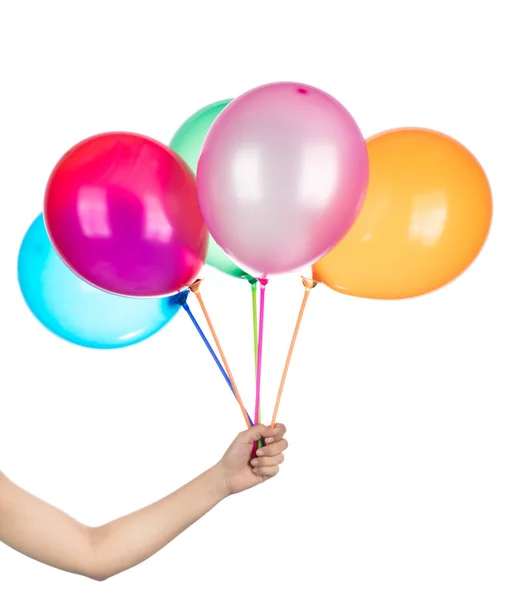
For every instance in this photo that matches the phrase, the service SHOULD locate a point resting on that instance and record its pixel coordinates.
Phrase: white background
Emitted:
(395, 483)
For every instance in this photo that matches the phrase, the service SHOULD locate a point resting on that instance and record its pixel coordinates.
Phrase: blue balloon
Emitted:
(79, 312)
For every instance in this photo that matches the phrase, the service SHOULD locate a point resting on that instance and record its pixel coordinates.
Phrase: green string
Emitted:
(254, 288)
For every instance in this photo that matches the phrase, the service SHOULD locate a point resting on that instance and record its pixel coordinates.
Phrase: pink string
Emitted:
(261, 323)
(263, 283)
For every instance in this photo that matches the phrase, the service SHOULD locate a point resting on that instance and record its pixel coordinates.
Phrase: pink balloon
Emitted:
(282, 177)
(122, 212)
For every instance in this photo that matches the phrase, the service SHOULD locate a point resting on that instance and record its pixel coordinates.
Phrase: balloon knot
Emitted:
(180, 298)
(309, 284)
(194, 287)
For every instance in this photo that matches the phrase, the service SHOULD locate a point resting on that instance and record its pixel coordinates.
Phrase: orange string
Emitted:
(309, 285)
(195, 289)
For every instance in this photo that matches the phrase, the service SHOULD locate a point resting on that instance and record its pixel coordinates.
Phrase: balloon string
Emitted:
(263, 283)
(194, 288)
(309, 285)
(254, 289)
(257, 411)
(187, 309)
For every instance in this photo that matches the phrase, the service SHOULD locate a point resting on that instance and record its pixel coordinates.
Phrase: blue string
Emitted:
(210, 349)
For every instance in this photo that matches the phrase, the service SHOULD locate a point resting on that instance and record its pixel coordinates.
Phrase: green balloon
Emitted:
(187, 143)
(188, 140)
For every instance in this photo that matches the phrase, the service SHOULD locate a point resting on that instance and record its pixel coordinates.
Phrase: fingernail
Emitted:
(259, 452)
(269, 440)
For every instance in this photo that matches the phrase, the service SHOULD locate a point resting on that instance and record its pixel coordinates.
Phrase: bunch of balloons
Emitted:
(275, 180)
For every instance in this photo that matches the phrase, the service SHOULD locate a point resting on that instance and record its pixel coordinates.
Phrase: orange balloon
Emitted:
(426, 216)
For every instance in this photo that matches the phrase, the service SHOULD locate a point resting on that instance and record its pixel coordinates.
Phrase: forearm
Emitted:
(132, 539)
(48, 535)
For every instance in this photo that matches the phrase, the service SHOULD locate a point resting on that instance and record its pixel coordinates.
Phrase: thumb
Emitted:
(255, 433)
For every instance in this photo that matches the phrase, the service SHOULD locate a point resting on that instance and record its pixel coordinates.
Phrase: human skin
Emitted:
(48, 535)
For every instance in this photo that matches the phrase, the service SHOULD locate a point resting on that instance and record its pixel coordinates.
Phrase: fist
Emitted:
(241, 470)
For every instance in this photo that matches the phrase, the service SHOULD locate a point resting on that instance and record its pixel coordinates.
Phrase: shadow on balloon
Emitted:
(79, 312)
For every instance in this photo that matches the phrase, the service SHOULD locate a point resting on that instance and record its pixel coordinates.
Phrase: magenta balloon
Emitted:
(282, 177)
(122, 212)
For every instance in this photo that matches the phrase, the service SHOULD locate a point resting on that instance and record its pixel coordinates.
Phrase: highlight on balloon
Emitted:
(271, 182)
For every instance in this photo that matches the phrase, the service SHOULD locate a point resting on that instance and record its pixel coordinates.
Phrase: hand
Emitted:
(239, 471)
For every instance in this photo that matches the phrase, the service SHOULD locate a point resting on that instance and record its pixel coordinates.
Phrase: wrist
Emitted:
(218, 482)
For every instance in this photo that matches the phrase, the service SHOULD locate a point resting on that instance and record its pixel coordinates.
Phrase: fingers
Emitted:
(265, 472)
(279, 431)
(255, 433)
(268, 461)
(273, 449)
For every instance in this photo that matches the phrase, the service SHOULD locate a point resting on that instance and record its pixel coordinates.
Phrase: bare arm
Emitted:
(45, 533)
(48, 535)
